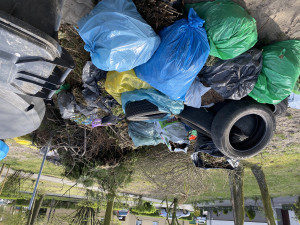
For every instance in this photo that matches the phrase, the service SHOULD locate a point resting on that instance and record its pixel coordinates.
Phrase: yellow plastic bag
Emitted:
(118, 82)
(25, 140)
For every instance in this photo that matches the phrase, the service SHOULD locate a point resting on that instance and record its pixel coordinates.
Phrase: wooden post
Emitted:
(36, 209)
(2, 168)
(30, 213)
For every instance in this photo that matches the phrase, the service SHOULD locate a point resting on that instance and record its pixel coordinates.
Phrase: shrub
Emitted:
(251, 214)
(225, 211)
(144, 208)
(215, 211)
(297, 208)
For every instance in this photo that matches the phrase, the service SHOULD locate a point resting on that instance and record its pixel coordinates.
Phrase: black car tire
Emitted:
(142, 110)
(280, 109)
(227, 122)
(198, 119)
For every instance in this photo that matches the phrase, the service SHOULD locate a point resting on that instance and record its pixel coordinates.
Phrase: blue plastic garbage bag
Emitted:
(3, 150)
(181, 55)
(143, 133)
(163, 102)
(116, 36)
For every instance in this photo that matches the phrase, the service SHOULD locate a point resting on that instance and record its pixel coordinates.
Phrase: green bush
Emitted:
(225, 211)
(215, 211)
(251, 214)
(297, 208)
(144, 208)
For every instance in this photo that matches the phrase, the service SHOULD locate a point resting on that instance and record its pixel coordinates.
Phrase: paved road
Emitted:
(156, 202)
(51, 179)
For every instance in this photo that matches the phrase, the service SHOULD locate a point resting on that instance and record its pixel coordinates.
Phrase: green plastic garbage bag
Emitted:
(280, 71)
(230, 29)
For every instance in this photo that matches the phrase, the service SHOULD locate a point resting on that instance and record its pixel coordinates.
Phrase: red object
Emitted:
(192, 137)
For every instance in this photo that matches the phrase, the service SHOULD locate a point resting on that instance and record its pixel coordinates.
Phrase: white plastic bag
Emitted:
(294, 101)
(194, 94)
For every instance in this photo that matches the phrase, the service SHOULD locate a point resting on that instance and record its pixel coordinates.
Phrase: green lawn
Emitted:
(30, 161)
(282, 173)
(280, 165)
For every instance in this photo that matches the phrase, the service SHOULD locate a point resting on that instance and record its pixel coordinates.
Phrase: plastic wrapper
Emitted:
(162, 101)
(181, 55)
(280, 72)
(118, 82)
(174, 134)
(234, 78)
(116, 36)
(230, 29)
(194, 94)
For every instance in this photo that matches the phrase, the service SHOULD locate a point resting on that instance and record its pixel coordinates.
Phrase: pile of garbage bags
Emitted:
(210, 49)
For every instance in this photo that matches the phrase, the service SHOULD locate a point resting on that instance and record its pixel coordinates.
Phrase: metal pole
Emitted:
(38, 178)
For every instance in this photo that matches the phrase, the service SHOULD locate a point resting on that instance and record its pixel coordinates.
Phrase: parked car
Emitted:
(122, 214)
(179, 213)
(200, 220)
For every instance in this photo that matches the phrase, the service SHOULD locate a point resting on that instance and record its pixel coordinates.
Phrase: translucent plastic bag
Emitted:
(162, 101)
(118, 82)
(280, 72)
(181, 55)
(171, 132)
(230, 29)
(116, 36)
(143, 133)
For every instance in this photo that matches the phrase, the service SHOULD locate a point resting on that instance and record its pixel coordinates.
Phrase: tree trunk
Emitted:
(36, 209)
(174, 217)
(109, 208)
(266, 199)
(236, 182)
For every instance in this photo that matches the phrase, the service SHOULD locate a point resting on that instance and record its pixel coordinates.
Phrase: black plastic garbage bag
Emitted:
(91, 92)
(234, 78)
(87, 113)
(91, 75)
(66, 104)
(205, 145)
